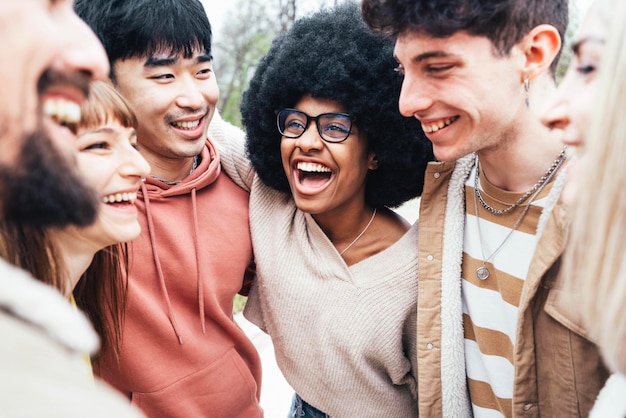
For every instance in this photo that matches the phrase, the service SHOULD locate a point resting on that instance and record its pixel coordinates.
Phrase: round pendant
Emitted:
(482, 272)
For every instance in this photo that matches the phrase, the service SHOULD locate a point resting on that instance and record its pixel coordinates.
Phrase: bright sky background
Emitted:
(583, 5)
(216, 10)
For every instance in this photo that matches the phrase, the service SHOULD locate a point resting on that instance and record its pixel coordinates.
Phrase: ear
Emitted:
(540, 46)
(372, 161)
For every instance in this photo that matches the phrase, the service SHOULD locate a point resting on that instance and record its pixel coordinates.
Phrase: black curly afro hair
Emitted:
(333, 55)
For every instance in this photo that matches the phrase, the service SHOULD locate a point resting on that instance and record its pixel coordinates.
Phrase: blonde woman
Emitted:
(589, 107)
(90, 261)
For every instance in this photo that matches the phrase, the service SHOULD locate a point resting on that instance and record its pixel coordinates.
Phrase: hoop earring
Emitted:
(527, 89)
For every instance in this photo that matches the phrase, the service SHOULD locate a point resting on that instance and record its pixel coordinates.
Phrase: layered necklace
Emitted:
(482, 272)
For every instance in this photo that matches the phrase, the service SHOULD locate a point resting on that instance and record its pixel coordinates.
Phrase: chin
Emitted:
(570, 193)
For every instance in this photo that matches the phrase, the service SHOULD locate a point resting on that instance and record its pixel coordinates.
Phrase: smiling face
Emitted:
(571, 108)
(174, 99)
(111, 165)
(46, 73)
(466, 98)
(326, 177)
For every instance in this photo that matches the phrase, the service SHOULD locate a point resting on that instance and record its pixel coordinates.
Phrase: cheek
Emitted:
(582, 107)
(95, 172)
(211, 91)
(285, 152)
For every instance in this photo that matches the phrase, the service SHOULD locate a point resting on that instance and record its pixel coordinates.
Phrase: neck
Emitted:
(516, 166)
(76, 254)
(342, 228)
(171, 169)
(524, 153)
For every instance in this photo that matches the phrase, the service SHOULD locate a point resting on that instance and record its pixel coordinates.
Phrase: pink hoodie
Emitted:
(182, 354)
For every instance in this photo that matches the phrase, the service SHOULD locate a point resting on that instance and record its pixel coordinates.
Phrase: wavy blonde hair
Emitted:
(595, 263)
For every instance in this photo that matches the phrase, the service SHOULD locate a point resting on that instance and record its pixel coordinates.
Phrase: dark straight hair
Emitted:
(143, 28)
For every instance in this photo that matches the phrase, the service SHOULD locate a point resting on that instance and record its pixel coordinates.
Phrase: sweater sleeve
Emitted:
(230, 141)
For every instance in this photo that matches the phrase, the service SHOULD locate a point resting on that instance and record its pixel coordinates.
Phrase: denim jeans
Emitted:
(301, 409)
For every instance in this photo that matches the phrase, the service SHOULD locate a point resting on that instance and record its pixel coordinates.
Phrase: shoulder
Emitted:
(41, 307)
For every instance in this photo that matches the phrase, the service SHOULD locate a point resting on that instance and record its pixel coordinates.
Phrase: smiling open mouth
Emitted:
(313, 174)
(120, 199)
(435, 126)
(64, 112)
(188, 125)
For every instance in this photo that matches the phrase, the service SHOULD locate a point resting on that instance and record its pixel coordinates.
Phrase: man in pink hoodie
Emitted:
(181, 353)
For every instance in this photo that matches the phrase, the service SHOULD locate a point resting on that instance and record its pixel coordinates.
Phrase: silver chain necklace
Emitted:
(482, 272)
(175, 182)
(361, 234)
(553, 168)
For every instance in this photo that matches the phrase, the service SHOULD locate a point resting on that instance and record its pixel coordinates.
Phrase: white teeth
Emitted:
(120, 197)
(187, 125)
(62, 110)
(434, 127)
(312, 167)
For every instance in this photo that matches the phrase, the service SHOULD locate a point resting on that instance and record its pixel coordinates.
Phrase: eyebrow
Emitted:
(164, 62)
(427, 55)
(578, 44)
(106, 130)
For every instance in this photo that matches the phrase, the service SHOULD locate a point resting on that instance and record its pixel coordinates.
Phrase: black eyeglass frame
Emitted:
(309, 118)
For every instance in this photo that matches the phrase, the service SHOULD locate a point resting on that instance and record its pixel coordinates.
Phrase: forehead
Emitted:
(414, 47)
(309, 103)
(594, 25)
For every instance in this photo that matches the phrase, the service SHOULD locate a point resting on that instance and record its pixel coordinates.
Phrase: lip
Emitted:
(63, 93)
(309, 188)
(193, 133)
(74, 87)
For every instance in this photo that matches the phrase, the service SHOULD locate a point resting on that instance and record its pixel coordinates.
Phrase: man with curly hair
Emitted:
(490, 322)
(336, 284)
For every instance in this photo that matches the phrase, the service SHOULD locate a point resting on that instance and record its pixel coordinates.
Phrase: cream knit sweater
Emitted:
(344, 336)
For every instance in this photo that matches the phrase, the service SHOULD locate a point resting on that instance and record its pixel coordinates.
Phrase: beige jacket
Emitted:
(43, 372)
(558, 371)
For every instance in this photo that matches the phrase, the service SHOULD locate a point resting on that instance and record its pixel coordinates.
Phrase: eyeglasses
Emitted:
(332, 127)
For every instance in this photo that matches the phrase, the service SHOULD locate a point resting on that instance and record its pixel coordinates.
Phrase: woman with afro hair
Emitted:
(336, 284)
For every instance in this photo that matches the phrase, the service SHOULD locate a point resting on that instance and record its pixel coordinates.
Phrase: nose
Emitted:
(556, 115)
(133, 164)
(310, 139)
(414, 98)
(190, 94)
(83, 51)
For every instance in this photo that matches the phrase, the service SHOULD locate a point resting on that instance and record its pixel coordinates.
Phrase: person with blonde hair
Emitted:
(589, 108)
(90, 262)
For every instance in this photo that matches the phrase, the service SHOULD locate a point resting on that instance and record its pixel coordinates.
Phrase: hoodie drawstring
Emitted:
(196, 238)
(157, 262)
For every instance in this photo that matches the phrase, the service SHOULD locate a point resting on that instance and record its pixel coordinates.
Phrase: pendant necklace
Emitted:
(482, 272)
(361, 234)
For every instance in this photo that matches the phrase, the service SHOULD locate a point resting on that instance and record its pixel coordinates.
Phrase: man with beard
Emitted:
(45, 74)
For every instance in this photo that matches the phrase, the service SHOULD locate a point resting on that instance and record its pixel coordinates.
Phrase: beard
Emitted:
(43, 188)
